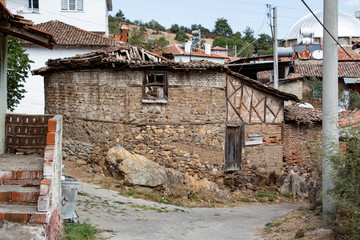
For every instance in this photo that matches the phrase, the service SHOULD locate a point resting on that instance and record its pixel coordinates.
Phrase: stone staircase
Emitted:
(20, 178)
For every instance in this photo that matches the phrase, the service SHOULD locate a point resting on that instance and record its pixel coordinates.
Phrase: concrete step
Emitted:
(16, 194)
(25, 170)
(21, 214)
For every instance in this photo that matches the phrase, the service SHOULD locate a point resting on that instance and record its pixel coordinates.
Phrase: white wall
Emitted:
(93, 18)
(33, 102)
(196, 58)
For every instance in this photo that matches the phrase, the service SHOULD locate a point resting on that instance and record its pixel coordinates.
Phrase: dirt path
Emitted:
(128, 218)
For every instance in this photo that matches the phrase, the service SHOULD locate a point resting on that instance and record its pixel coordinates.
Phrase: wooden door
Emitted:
(233, 147)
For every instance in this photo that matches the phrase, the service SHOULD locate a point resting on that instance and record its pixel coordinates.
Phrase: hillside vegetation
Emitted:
(152, 34)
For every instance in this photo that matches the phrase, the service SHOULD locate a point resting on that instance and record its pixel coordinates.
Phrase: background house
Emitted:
(187, 53)
(21, 28)
(70, 41)
(220, 51)
(176, 114)
(91, 15)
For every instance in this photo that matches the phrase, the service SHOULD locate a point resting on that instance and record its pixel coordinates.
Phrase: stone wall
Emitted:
(103, 109)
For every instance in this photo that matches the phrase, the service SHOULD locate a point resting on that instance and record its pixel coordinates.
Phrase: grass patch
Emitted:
(82, 231)
(262, 195)
(287, 195)
(146, 208)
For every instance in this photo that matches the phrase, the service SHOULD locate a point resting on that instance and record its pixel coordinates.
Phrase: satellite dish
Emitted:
(318, 54)
(304, 54)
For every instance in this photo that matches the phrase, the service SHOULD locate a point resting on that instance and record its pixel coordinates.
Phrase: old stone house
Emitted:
(199, 117)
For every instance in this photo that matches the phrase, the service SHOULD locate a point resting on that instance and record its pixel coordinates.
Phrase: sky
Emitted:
(239, 13)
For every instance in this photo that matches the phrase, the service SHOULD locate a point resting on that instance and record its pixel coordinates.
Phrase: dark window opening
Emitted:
(155, 87)
(34, 5)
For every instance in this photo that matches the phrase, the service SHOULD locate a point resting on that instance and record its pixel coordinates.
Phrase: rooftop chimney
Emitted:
(188, 47)
(207, 48)
(124, 33)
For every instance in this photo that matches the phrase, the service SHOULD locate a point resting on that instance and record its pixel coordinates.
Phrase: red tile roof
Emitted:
(18, 26)
(314, 68)
(67, 35)
(219, 48)
(178, 50)
(344, 57)
(309, 115)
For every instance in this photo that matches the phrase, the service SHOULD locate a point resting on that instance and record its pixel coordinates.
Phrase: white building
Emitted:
(187, 53)
(70, 41)
(90, 15)
(67, 20)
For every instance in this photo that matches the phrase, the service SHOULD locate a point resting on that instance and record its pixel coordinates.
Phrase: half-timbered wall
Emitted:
(262, 115)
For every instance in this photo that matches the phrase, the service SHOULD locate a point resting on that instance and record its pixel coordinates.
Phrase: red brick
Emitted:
(24, 197)
(38, 218)
(13, 182)
(2, 216)
(52, 125)
(5, 196)
(17, 217)
(50, 138)
(31, 182)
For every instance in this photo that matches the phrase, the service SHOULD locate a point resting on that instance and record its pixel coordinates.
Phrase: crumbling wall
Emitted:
(301, 142)
(103, 109)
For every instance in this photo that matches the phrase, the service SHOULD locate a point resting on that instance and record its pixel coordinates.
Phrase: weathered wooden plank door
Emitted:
(233, 147)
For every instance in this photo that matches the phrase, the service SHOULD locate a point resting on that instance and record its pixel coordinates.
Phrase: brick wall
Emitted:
(301, 142)
(50, 186)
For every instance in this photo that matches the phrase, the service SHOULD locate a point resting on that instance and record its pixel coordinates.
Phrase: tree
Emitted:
(114, 22)
(264, 44)
(174, 28)
(248, 35)
(181, 36)
(161, 41)
(19, 65)
(137, 37)
(155, 26)
(222, 27)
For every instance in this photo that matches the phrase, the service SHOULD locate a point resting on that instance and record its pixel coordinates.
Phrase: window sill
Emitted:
(72, 11)
(162, 101)
(28, 12)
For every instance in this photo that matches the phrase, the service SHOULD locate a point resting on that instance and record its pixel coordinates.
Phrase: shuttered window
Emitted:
(72, 5)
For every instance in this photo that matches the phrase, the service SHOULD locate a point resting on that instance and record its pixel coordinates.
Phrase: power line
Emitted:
(317, 19)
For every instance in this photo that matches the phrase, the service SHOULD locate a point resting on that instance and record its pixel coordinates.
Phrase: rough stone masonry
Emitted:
(103, 108)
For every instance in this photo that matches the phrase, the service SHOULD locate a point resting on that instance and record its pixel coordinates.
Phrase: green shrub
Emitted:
(347, 187)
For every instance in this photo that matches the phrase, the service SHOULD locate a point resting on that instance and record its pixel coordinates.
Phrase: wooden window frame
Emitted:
(164, 85)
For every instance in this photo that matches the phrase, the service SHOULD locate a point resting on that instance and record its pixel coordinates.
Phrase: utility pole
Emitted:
(330, 109)
(276, 64)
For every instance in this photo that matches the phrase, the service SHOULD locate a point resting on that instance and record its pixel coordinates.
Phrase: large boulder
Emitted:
(136, 169)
